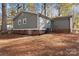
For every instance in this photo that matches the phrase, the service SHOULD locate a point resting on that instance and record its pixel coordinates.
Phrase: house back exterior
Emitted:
(32, 24)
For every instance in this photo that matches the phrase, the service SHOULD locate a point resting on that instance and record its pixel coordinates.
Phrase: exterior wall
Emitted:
(61, 25)
(31, 21)
(44, 23)
(48, 24)
(35, 24)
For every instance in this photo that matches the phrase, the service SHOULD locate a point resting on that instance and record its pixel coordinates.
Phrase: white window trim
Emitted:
(19, 22)
(24, 20)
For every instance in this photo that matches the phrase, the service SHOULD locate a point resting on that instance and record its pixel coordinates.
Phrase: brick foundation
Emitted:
(29, 32)
(61, 30)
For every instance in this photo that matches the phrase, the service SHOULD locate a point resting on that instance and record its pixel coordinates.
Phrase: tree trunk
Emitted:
(59, 12)
(4, 18)
(59, 7)
(44, 8)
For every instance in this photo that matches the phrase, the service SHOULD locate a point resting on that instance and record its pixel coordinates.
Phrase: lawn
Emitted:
(41, 45)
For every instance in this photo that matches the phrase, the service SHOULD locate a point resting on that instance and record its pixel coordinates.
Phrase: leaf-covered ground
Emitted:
(41, 45)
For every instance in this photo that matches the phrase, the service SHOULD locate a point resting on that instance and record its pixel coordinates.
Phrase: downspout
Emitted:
(38, 22)
(71, 25)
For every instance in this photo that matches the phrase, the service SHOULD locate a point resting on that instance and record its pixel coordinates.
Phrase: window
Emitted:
(24, 20)
(19, 22)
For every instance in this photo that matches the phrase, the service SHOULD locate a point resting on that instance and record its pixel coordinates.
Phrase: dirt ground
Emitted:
(41, 45)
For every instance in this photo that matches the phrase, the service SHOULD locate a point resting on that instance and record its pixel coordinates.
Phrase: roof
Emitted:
(40, 15)
(59, 17)
(17, 15)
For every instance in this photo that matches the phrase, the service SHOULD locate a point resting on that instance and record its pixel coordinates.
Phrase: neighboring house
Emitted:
(31, 23)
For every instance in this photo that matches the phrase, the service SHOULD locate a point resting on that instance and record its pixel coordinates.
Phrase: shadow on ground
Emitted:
(11, 36)
(43, 45)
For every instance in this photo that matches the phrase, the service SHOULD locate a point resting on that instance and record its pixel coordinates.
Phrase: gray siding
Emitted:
(62, 23)
(31, 21)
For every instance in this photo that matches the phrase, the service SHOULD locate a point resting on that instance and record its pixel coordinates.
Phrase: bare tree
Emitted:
(44, 8)
(4, 18)
(43, 11)
(57, 6)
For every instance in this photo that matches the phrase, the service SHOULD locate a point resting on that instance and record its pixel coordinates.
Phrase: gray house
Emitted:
(31, 23)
